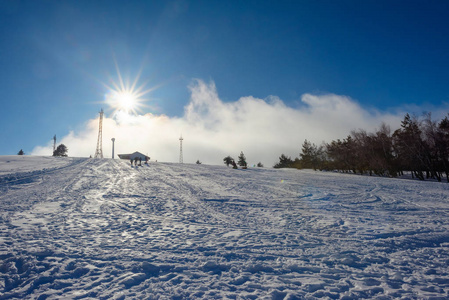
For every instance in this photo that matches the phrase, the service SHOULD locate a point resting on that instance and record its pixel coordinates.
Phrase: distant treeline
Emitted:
(420, 146)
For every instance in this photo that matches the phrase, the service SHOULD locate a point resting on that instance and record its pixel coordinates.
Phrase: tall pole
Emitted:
(99, 151)
(54, 143)
(180, 150)
(113, 140)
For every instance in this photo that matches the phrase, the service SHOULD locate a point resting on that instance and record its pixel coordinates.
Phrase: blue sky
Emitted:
(57, 56)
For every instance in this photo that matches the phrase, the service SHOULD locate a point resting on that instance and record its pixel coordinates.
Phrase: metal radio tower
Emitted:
(180, 150)
(99, 151)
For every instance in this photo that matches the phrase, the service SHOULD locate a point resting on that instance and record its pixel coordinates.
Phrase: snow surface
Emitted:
(83, 228)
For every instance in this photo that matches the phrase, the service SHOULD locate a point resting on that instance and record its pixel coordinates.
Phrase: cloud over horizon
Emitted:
(212, 129)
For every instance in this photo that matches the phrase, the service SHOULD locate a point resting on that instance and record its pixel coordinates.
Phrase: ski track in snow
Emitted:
(99, 229)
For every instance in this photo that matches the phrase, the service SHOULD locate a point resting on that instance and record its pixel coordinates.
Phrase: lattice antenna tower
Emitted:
(180, 150)
(99, 151)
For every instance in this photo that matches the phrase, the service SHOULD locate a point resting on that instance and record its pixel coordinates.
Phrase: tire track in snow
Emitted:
(104, 229)
(10, 180)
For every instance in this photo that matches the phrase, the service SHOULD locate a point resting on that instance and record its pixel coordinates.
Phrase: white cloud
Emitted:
(212, 129)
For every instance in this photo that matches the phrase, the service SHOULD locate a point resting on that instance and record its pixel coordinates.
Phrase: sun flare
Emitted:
(124, 97)
(126, 101)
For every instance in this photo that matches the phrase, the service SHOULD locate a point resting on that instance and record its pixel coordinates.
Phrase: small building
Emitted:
(133, 156)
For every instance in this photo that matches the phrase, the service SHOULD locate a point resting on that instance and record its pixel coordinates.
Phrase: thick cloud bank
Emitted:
(212, 129)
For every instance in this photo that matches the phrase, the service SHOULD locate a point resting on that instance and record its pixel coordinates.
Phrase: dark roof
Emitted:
(133, 155)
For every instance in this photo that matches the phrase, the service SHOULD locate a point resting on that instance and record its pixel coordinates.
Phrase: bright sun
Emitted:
(125, 97)
(126, 101)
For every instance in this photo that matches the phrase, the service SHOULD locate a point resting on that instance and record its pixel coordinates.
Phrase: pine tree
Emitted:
(310, 155)
(242, 160)
(284, 162)
(443, 145)
(21, 152)
(409, 146)
(227, 160)
(61, 150)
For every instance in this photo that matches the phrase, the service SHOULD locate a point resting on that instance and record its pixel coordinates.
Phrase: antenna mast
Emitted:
(99, 151)
(113, 140)
(180, 150)
(54, 143)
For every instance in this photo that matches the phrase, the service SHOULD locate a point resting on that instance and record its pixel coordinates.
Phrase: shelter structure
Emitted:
(133, 156)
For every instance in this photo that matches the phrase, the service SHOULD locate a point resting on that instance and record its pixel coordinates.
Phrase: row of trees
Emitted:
(61, 150)
(420, 145)
(228, 160)
(241, 161)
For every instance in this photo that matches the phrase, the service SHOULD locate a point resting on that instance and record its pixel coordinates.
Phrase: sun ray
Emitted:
(122, 85)
(136, 80)
(126, 96)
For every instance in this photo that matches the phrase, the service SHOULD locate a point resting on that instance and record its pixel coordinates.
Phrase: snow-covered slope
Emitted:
(83, 228)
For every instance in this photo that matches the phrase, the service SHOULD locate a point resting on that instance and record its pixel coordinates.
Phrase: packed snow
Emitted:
(73, 228)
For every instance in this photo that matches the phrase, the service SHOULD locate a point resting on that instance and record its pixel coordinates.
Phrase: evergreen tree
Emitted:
(198, 162)
(284, 162)
(343, 154)
(242, 160)
(443, 146)
(227, 160)
(259, 165)
(409, 146)
(21, 152)
(61, 150)
(311, 156)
